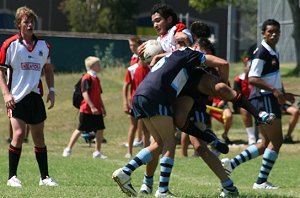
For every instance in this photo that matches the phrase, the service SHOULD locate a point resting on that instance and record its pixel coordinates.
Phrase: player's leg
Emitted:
(214, 164)
(294, 113)
(182, 108)
(15, 150)
(215, 88)
(273, 133)
(184, 143)
(164, 125)
(131, 134)
(227, 125)
(123, 175)
(139, 134)
(248, 123)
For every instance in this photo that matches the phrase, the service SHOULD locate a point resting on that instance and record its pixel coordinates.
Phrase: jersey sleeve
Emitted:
(256, 67)
(127, 77)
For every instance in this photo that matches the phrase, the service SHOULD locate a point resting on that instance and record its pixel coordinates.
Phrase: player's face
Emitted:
(271, 35)
(26, 26)
(133, 47)
(160, 24)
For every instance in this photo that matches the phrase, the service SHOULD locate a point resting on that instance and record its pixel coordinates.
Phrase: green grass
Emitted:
(81, 176)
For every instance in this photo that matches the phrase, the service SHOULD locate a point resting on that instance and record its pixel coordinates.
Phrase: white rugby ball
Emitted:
(152, 48)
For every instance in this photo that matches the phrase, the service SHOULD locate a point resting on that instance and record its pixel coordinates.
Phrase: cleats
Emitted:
(48, 181)
(265, 185)
(14, 182)
(229, 193)
(266, 118)
(164, 194)
(67, 152)
(99, 155)
(128, 156)
(222, 147)
(123, 180)
(227, 166)
(145, 189)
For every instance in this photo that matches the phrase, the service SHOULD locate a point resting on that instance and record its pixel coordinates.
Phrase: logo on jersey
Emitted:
(274, 61)
(40, 53)
(31, 66)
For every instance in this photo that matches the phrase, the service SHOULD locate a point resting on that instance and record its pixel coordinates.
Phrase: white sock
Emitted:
(250, 132)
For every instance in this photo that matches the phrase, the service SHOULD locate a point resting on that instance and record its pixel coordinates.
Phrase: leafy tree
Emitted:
(101, 16)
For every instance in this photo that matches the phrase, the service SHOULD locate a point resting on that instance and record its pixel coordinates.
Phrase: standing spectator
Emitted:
(25, 56)
(241, 85)
(92, 109)
(134, 76)
(134, 42)
(267, 95)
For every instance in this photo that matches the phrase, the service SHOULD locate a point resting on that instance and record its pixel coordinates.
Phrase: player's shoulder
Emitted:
(10, 40)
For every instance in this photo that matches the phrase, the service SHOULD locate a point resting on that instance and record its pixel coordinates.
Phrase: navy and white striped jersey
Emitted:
(169, 75)
(265, 64)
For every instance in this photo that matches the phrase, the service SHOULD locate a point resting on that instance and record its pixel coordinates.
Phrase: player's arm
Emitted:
(221, 64)
(7, 96)
(260, 83)
(126, 99)
(88, 100)
(49, 76)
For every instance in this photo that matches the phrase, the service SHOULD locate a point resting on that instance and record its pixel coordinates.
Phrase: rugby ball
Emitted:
(152, 48)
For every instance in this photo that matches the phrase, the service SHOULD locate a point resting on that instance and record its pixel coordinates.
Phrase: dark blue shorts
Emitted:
(145, 108)
(268, 103)
(90, 122)
(198, 114)
(31, 109)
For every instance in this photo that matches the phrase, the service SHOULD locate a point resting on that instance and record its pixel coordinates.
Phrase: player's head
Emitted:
(163, 18)
(134, 42)
(271, 32)
(25, 18)
(200, 30)
(204, 45)
(92, 63)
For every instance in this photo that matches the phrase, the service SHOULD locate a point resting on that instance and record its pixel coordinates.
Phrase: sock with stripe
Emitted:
(269, 159)
(228, 185)
(42, 160)
(14, 155)
(166, 165)
(148, 180)
(248, 154)
(143, 157)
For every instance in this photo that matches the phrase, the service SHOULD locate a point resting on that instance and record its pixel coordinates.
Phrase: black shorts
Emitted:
(90, 122)
(142, 107)
(198, 114)
(31, 109)
(268, 103)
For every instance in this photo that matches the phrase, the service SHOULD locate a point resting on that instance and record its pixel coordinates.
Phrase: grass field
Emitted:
(82, 176)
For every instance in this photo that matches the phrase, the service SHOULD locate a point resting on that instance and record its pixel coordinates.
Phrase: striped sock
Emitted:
(143, 157)
(248, 154)
(166, 165)
(148, 180)
(228, 185)
(269, 159)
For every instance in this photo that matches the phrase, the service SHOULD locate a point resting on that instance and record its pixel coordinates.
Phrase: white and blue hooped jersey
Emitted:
(265, 64)
(169, 75)
(24, 65)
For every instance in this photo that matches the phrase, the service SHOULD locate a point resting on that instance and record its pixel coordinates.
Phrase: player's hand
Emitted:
(9, 101)
(51, 98)
(94, 110)
(290, 97)
(141, 50)
(280, 96)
